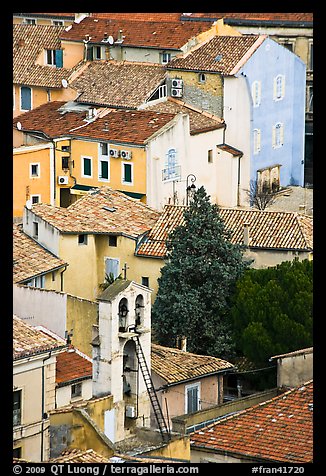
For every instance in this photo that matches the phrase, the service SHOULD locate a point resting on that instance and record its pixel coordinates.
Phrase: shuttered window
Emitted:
(25, 98)
(127, 173)
(87, 167)
(192, 398)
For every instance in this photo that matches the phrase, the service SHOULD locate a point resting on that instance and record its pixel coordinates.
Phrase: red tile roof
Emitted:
(168, 35)
(29, 258)
(72, 366)
(221, 54)
(157, 16)
(278, 430)
(175, 366)
(268, 229)
(90, 214)
(28, 340)
(262, 17)
(125, 126)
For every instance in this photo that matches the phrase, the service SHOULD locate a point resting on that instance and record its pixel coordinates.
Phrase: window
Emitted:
(35, 199)
(87, 167)
(127, 173)
(279, 87)
(278, 133)
(145, 281)
(29, 21)
(256, 141)
(172, 171)
(57, 23)
(202, 78)
(35, 230)
(210, 156)
(76, 390)
(82, 239)
(166, 57)
(310, 99)
(17, 407)
(161, 92)
(311, 57)
(112, 266)
(97, 52)
(65, 162)
(17, 452)
(104, 164)
(39, 282)
(112, 240)
(54, 58)
(25, 98)
(192, 398)
(34, 170)
(256, 93)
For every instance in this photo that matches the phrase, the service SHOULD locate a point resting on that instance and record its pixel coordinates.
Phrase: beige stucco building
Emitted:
(34, 373)
(294, 368)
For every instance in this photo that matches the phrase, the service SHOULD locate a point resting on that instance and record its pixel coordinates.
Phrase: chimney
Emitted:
(181, 343)
(246, 236)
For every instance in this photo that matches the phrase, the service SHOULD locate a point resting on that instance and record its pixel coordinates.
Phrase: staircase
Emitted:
(165, 432)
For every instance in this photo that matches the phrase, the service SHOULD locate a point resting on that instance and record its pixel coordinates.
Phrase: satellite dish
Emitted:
(111, 40)
(28, 204)
(19, 126)
(64, 83)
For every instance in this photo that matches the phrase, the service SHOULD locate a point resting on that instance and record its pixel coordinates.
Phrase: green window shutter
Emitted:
(104, 169)
(59, 58)
(127, 173)
(87, 166)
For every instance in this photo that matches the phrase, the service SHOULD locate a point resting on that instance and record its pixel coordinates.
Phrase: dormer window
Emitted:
(54, 58)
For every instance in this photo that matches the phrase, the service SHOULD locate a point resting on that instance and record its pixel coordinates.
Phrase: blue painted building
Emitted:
(275, 80)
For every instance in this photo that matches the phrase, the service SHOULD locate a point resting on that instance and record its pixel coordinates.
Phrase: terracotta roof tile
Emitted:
(262, 17)
(267, 229)
(28, 340)
(118, 84)
(29, 258)
(89, 215)
(174, 365)
(80, 456)
(221, 54)
(157, 16)
(29, 41)
(280, 429)
(126, 126)
(200, 121)
(71, 366)
(168, 35)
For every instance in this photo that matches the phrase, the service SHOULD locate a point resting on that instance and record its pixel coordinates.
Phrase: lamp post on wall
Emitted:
(190, 189)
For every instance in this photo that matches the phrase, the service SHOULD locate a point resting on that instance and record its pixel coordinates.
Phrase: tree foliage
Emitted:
(197, 281)
(272, 310)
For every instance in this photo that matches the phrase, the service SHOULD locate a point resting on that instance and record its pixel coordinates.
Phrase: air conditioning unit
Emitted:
(114, 152)
(126, 154)
(130, 411)
(176, 93)
(177, 83)
(63, 179)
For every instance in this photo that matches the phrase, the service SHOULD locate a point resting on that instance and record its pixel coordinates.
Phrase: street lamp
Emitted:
(190, 189)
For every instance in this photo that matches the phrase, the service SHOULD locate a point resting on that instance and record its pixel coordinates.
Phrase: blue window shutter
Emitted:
(59, 58)
(26, 99)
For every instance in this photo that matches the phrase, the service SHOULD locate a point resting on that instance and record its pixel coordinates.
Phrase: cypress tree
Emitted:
(197, 281)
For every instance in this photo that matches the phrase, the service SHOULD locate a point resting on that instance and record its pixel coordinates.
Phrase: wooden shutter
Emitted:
(59, 58)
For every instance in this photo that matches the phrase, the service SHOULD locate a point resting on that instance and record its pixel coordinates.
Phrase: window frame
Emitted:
(256, 93)
(279, 87)
(165, 54)
(123, 180)
(188, 388)
(84, 242)
(34, 164)
(113, 241)
(87, 157)
(202, 78)
(36, 195)
(103, 158)
(278, 135)
(20, 413)
(79, 393)
(256, 141)
(20, 98)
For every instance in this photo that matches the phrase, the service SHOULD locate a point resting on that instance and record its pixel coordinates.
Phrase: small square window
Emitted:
(202, 77)
(65, 162)
(35, 199)
(145, 281)
(112, 240)
(35, 170)
(76, 390)
(82, 239)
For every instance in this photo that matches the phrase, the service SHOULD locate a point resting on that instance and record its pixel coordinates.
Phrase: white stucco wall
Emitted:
(63, 394)
(48, 236)
(40, 307)
(237, 115)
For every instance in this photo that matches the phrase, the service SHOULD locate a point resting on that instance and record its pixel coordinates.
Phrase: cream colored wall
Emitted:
(73, 52)
(197, 456)
(27, 376)
(264, 259)
(81, 316)
(63, 394)
(295, 370)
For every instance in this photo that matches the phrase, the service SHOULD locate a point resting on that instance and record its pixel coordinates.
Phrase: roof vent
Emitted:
(109, 209)
(218, 58)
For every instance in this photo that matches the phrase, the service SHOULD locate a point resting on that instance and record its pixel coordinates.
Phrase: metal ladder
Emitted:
(164, 430)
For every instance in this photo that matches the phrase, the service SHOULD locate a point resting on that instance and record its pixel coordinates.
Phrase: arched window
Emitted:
(278, 135)
(123, 314)
(256, 93)
(139, 310)
(279, 87)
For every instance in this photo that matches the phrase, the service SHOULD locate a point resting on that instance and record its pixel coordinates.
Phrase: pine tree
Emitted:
(196, 283)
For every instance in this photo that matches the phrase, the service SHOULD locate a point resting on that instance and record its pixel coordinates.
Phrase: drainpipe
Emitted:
(61, 279)
(43, 405)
